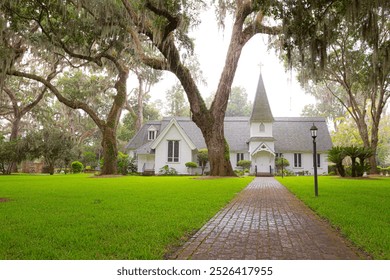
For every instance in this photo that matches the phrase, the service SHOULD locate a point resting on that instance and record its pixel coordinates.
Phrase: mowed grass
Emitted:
(359, 208)
(78, 217)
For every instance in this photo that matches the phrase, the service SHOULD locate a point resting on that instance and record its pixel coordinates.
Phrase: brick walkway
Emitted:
(265, 221)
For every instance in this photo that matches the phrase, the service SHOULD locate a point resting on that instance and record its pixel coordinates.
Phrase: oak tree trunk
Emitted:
(217, 146)
(110, 151)
(13, 168)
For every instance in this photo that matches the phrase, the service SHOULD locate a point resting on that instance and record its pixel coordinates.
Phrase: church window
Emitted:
(173, 151)
(297, 160)
(262, 127)
(240, 156)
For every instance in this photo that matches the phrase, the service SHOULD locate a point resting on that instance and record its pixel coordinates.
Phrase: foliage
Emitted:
(131, 217)
(10, 152)
(89, 159)
(123, 162)
(245, 164)
(337, 155)
(53, 145)
(350, 205)
(132, 167)
(357, 155)
(239, 105)
(191, 164)
(77, 167)
(203, 159)
(177, 105)
(279, 162)
(167, 171)
(356, 75)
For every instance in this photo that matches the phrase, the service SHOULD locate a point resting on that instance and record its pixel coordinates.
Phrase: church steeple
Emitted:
(261, 111)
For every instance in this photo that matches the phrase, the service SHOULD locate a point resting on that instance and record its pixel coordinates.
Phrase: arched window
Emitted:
(262, 127)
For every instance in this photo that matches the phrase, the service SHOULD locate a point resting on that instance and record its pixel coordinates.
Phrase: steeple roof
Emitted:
(261, 111)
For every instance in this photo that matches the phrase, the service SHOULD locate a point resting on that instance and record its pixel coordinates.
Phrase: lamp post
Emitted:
(281, 156)
(313, 131)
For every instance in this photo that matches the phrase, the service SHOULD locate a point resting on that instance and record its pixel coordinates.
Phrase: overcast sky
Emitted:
(285, 95)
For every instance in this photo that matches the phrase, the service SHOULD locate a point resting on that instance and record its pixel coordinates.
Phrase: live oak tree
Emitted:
(77, 36)
(165, 25)
(357, 73)
(303, 26)
(22, 98)
(156, 33)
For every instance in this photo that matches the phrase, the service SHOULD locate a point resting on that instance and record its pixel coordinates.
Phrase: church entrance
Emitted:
(263, 161)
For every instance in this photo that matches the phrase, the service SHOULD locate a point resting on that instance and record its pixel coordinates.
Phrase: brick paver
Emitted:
(265, 221)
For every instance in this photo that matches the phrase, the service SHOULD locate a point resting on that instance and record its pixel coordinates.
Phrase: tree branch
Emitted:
(74, 104)
(174, 21)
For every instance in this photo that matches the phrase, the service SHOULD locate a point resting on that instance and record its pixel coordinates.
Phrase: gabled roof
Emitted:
(141, 137)
(290, 134)
(166, 129)
(263, 148)
(261, 111)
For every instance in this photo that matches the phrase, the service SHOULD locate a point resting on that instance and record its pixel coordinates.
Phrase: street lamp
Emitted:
(313, 131)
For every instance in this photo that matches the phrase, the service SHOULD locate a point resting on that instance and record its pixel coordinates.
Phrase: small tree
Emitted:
(51, 144)
(364, 154)
(190, 165)
(353, 152)
(77, 167)
(123, 163)
(10, 152)
(245, 164)
(203, 159)
(280, 163)
(337, 155)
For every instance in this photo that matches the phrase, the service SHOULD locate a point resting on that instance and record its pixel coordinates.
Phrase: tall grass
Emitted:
(77, 217)
(359, 208)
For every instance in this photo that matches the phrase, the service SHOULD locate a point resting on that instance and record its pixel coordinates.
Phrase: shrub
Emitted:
(132, 168)
(123, 163)
(167, 171)
(191, 164)
(245, 164)
(203, 158)
(77, 167)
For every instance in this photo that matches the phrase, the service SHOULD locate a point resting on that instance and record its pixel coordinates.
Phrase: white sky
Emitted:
(285, 95)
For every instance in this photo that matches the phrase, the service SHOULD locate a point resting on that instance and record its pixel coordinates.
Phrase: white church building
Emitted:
(260, 138)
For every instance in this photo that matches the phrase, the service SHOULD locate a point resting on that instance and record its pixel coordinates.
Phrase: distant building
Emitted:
(260, 138)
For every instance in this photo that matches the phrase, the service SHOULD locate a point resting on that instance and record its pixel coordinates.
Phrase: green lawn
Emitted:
(77, 217)
(360, 208)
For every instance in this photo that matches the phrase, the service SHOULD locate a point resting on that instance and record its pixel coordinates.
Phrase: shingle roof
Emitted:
(293, 134)
(142, 135)
(290, 134)
(261, 111)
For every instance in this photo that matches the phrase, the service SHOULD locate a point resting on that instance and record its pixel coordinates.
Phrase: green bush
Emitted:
(133, 167)
(77, 167)
(245, 164)
(123, 163)
(191, 164)
(167, 171)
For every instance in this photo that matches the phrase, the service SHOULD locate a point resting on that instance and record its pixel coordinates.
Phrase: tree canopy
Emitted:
(114, 37)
